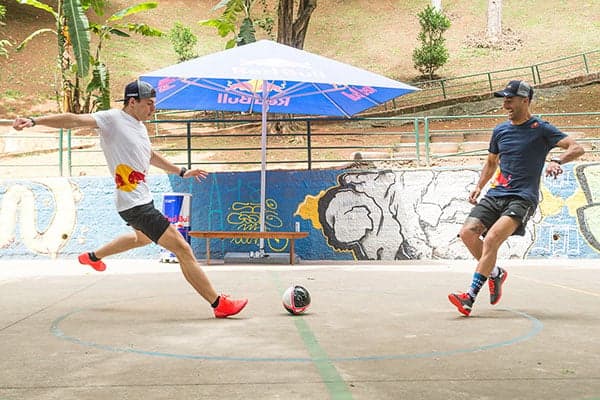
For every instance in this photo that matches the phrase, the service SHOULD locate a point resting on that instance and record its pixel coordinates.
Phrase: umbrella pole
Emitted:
(263, 164)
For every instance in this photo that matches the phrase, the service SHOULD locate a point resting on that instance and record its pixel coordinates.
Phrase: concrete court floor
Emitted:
(373, 331)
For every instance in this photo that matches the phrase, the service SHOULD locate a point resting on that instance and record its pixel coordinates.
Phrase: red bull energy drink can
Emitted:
(177, 208)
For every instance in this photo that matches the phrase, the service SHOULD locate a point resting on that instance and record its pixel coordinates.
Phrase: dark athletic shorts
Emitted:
(490, 209)
(147, 219)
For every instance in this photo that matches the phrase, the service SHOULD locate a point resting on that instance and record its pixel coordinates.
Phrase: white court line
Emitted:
(557, 285)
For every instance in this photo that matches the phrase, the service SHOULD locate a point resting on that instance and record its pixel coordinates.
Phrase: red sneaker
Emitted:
(84, 258)
(462, 301)
(495, 285)
(229, 307)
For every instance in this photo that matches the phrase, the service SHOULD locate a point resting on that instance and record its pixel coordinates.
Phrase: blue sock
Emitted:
(478, 281)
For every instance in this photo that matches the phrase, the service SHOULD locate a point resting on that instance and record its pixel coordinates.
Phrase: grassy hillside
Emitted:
(378, 35)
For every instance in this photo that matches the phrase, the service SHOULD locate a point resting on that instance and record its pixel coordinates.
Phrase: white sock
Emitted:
(495, 272)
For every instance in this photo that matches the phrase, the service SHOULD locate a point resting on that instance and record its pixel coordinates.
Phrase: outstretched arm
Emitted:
(65, 120)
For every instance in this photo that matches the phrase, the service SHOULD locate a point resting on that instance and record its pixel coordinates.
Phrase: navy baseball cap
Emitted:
(139, 90)
(516, 88)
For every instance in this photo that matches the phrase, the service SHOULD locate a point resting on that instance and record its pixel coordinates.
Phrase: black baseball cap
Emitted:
(516, 88)
(139, 90)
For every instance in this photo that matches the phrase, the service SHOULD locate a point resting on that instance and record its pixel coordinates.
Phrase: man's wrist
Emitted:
(32, 121)
(556, 160)
(182, 171)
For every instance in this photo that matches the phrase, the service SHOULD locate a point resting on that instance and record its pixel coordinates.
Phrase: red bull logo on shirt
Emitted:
(501, 180)
(127, 179)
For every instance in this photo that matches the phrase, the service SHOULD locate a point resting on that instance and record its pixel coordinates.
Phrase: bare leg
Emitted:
(123, 243)
(497, 234)
(470, 234)
(175, 243)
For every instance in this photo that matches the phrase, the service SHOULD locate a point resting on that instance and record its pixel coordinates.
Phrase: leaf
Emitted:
(79, 34)
(247, 32)
(41, 6)
(133, 10)
(100, 82)
(144, 30)
(97, 5)
(31, 36)
(118, 32)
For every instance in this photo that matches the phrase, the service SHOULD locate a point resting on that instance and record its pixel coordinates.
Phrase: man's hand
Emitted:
(21, 123)
(553, 169)
(199, 174)
(474, 195)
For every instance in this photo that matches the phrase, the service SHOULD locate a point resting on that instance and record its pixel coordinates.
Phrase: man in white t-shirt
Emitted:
(128, 151)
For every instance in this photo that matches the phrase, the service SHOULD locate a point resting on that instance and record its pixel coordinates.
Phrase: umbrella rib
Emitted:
(324, 93)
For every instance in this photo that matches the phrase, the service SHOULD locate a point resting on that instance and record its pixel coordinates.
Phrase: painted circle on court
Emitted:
(535, 327)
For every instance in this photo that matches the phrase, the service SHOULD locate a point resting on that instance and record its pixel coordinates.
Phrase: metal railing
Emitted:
(487, 82)
(314, 142)
(393, 142)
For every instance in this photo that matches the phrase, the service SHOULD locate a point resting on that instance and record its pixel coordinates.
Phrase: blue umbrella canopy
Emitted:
(287, 80)
(265, 77)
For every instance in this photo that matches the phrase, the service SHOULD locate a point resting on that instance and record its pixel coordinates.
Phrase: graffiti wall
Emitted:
(350, 215)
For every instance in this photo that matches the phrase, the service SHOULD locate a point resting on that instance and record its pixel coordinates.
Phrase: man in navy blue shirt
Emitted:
(517, 154)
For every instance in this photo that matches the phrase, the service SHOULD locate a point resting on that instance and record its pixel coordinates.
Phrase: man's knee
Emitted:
(473, 228)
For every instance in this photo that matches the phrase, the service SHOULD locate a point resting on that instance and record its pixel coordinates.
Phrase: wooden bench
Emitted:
(248, 235)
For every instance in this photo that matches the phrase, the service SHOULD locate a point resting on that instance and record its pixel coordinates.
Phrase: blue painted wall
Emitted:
(350, 215)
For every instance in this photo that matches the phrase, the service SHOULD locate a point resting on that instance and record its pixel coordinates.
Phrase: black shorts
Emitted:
(147, 219)
(490, 209)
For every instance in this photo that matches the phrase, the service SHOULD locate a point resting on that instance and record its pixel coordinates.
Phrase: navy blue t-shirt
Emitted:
(522, 150)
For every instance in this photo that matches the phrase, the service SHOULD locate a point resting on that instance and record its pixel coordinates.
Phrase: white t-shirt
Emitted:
(127, 149)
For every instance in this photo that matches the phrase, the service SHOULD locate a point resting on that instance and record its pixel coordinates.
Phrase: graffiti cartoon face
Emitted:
(355, 218)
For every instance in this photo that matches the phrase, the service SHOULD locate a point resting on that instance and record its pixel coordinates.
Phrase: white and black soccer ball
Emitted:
(296, 299)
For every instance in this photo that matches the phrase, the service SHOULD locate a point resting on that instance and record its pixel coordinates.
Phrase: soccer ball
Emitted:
(296, 299)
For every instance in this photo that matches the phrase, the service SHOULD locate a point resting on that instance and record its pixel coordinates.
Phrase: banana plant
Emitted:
(227, 22)
(75, 62)
(99, 85)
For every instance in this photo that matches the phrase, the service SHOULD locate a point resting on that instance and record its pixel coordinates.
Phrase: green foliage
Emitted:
(234, 11)
(76, 62)
(184, 41)
(433, 52)
(3, 42)
(12, 94)
(247, 32)
(78, 34)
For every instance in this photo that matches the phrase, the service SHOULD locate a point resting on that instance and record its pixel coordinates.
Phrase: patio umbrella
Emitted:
(265, 77)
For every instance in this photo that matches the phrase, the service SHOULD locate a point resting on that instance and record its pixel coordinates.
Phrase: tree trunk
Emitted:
(494, 20)
(285, 18)
(293, 32)
(437, 5)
